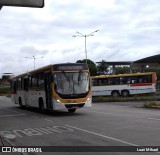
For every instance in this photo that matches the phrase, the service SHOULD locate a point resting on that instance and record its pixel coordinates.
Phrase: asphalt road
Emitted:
(105, 124)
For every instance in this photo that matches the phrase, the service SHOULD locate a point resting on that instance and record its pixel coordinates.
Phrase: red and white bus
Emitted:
(124, 84)
(54, 87)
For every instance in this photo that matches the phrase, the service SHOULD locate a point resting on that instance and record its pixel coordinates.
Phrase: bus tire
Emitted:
(41, 106)
(71, 110)
(125, 93)
(115, 93)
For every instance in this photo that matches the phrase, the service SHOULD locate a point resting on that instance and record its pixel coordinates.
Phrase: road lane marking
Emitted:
(101, 112)
(103, 136)
(35, 117)
(48, 120)
(12, 134)
(11, 115)
(11, 110)
(154, 119)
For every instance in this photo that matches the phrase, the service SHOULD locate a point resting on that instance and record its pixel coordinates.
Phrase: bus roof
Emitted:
(56, 67)
(121, 75)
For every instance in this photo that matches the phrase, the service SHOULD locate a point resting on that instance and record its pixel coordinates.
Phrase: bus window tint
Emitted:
(147, 79)
(34, 82)
(134, 79)
(125, 80)
(40, 80)
(19, 83)
(105, 81)
(94, 82)
(100, 82)
(117, 81)
(142, 79)
(114, 81)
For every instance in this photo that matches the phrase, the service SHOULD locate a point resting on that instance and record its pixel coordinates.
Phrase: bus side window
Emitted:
(111, 81)
(95, 82)
(100, 82)
(34, 81)
(147, 78)
(117, 81)
(141, 80)
(41, 80)
(19, 83)
(105, 82)
(128, 80)
(134, 79)
(122, 80)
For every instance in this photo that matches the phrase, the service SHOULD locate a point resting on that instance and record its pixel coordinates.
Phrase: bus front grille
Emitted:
(71, 106)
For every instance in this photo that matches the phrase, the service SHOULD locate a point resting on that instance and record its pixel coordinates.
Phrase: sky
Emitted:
(128, 30)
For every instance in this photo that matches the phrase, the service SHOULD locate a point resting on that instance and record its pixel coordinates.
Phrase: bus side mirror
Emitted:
(22, 3)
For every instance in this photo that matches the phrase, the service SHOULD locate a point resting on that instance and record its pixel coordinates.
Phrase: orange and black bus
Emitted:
(54, 87)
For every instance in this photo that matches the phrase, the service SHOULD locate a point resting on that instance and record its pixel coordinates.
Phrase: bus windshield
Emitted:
(71, 83)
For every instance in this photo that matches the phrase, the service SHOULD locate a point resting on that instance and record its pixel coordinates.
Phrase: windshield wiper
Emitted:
(79, 76)
(66, 77)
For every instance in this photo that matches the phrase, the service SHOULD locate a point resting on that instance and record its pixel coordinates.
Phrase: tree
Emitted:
(92, 66)
(103, 68)
(122, 70)
(5, 77)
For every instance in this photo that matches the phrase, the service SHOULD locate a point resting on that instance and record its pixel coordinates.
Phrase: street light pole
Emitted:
(85, 38)
(78, 34)
(34, 59)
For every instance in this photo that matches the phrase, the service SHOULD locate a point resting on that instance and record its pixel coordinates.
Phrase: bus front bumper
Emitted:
(57, 105)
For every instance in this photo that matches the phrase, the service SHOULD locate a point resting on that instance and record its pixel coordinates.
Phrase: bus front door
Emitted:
(48, 90)
(25, 95)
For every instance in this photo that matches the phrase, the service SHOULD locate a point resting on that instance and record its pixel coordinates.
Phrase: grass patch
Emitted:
(5, 90)
(152, 104)
(125, 99)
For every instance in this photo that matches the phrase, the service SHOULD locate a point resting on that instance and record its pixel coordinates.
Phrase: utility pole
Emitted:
(78, 34)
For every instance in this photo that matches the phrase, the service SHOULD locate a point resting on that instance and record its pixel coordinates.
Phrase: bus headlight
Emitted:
(89, 98)
(58, 101)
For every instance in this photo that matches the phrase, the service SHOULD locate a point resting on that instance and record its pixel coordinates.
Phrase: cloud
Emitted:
(129, 30)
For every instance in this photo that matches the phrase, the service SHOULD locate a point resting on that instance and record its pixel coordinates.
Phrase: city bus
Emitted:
(124, 84)
(53, 87)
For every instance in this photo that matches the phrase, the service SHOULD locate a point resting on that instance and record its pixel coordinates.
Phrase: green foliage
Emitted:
(4, 90)
(151, 104)
(5, 77)
(102, 68)
(92, 66)
(122, 70)
(124, 99)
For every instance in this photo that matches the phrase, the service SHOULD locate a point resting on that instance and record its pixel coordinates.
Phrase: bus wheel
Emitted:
(71, 110)
(125, 93)
(115, 93)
